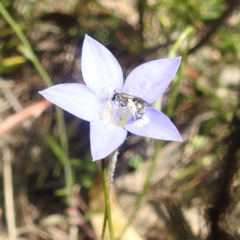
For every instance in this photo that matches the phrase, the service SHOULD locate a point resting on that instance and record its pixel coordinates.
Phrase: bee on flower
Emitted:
(113, 106)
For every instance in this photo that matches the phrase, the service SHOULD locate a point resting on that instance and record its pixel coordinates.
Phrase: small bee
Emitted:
(136, 105)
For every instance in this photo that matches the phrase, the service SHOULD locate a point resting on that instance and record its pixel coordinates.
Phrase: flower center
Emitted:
(121, 107)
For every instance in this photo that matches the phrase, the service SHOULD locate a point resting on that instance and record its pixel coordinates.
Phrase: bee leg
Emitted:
(132, 108)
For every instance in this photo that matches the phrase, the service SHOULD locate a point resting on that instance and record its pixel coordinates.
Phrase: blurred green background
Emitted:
(48, 181)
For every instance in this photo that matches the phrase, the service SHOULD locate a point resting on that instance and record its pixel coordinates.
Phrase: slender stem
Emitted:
(107, 199)
(8, 193)
(29, 53)
(188, 31)
(174, 94)
(144, 189)
(104, 225)
(141, 6)
(66, 162)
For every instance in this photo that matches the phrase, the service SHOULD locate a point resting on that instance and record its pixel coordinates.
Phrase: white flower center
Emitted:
(121, 107)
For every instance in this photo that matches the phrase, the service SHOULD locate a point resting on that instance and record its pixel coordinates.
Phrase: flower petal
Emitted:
(149, 80)
(101, 71)
(75, 98)
(105, 138)
(154, 124)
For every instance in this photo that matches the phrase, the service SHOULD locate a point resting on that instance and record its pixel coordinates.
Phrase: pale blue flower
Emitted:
(111, 119)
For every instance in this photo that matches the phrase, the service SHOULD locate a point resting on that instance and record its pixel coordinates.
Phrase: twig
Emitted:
(222, 197)
(76, 218)
(32, 111)
(210, 30)
(13, 101)
(30, 226)
(8, 193)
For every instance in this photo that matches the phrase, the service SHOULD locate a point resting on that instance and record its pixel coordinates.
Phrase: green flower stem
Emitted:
(107, 202)
(27, 49)
(188, 31)
(29, 53)
(144, 189)
(104, 225)
(153, 163)
(66, 162)
(174, 94)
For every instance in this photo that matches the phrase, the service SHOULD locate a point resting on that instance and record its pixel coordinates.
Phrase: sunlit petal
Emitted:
(154, 124)
(105, 138)
(149, 80)
(75, 98)
(101, 71)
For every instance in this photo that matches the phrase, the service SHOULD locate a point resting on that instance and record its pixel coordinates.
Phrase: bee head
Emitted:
(115, 97)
